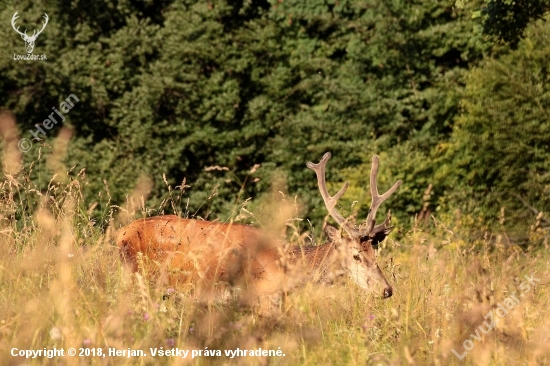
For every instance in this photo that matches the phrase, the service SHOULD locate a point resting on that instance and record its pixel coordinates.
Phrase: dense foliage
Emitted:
(500, 149)
(506, 20)
(204, 91)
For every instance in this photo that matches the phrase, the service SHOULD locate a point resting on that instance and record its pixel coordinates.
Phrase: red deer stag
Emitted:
(205, 253)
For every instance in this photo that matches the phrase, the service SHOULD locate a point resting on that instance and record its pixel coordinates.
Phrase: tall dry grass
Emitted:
(62, 285)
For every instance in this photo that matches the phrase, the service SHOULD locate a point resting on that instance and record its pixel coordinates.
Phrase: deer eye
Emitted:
(357, 258)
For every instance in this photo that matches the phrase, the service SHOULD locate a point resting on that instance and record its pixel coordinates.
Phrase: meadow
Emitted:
(63, 285)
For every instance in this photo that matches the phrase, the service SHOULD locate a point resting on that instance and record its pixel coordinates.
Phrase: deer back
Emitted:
(193, 249)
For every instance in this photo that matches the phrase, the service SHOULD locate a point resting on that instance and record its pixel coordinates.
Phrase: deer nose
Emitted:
(388, 292)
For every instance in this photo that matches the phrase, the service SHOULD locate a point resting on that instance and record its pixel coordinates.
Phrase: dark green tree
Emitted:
(500, 147)
(507, 19)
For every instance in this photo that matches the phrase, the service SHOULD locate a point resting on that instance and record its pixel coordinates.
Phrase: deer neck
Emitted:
(319, 261)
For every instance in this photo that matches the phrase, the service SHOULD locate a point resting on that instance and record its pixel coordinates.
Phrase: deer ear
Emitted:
(380, 235)
(332, 233)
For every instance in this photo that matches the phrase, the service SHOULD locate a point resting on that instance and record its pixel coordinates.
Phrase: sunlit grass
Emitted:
(63, 285)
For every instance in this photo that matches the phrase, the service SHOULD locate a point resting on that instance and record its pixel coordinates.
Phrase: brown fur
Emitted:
(210, 252)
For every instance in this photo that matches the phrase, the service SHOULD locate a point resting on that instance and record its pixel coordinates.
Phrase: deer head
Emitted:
(29, 40)
(359, 257)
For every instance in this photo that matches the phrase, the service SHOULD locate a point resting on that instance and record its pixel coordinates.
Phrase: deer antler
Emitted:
(368, 228)
(330, 202)
(377, 200)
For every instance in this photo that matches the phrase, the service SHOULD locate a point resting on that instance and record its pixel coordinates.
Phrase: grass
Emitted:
(63, 285)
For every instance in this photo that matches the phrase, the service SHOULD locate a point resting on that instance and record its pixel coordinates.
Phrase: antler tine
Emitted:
(377, 199)
(330, 202)
(13, 19)
(44, 23)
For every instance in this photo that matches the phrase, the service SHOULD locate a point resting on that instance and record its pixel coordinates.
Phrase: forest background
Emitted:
(234, 97)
